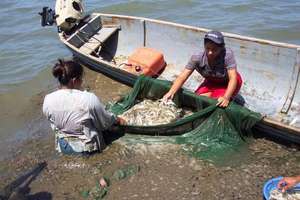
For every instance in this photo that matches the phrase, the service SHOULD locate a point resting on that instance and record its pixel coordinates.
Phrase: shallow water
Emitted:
(165, 170)
(27, 50)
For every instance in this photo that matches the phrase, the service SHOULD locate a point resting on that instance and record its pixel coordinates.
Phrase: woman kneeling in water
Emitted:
(218, 67)
(77, 117)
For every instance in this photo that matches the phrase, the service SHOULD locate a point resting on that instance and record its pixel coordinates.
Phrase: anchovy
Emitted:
(288, 195)
(152, 113)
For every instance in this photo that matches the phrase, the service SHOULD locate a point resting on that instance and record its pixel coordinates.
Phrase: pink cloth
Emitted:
(218, 89)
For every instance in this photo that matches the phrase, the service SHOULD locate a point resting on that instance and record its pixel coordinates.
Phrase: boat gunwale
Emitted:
(229, 35)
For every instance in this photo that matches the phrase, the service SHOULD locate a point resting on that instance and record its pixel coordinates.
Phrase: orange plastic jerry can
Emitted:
(147, 61)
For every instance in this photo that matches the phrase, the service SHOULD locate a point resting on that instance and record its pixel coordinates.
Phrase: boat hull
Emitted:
(111, 72)
(270, 69)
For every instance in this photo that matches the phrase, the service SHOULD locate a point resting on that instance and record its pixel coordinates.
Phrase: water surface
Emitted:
(27, 50)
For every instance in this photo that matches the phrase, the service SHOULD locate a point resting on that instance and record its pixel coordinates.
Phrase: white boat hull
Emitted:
(270, 70)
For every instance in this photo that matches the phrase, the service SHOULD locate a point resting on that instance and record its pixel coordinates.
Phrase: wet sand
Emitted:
(161, 170)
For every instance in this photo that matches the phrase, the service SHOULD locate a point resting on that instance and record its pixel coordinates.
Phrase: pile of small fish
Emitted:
(289, 195)
(152, 113)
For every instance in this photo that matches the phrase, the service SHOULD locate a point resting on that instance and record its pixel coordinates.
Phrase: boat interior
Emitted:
(270, 70)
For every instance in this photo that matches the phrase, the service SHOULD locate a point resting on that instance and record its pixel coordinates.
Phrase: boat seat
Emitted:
(78, 38)
(98, 39)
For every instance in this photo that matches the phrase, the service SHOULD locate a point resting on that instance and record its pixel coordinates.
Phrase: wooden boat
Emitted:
(270, 70)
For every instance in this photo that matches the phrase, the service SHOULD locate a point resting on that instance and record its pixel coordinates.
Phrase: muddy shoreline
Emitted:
(148, 171)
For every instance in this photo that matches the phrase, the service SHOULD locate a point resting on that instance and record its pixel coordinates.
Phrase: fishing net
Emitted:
(208, 131)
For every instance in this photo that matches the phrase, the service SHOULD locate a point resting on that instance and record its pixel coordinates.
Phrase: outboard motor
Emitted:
(67, 14)
(48, 17)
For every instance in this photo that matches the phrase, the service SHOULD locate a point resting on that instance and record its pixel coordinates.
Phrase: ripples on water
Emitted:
(27, 49)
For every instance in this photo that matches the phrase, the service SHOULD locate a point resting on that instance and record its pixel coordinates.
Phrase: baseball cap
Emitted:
(215, 36)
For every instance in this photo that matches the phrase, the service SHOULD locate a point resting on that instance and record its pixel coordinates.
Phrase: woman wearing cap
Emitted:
(218, 67)
(77, 117)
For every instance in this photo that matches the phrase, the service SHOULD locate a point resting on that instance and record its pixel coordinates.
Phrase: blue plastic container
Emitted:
(271, 185)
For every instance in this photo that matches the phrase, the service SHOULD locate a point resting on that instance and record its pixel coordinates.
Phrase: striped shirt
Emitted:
(218, 72)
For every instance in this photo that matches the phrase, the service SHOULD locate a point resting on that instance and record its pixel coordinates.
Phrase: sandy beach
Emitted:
(160, 170)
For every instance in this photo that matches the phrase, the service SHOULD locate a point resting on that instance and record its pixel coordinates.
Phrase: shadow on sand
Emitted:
(20, 190)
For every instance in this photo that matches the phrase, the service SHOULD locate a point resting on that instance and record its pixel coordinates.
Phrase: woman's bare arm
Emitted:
(232, 84)
(177, 84)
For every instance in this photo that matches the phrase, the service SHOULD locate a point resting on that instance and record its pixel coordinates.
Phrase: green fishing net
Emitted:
(207, 132)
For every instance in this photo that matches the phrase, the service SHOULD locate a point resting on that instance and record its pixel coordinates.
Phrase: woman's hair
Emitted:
(64, 71)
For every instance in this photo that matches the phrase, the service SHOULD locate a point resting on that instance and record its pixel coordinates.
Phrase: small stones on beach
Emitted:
(161, 172)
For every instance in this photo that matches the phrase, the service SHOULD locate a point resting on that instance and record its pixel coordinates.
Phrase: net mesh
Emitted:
(206, 133)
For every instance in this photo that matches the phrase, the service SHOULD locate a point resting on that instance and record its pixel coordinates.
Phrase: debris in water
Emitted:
(85, 194)
(98, 192)
(119, 60)
(74, 165)
(126, 172)
(103, 182)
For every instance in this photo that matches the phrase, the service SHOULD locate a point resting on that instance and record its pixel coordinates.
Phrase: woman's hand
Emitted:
(183, 76)
(223, 102)
(121, 121)
(168, 96)
(287, 183)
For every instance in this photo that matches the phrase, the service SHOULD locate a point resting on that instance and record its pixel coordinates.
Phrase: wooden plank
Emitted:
(282, 126)
(96, 40)
(86, 31)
